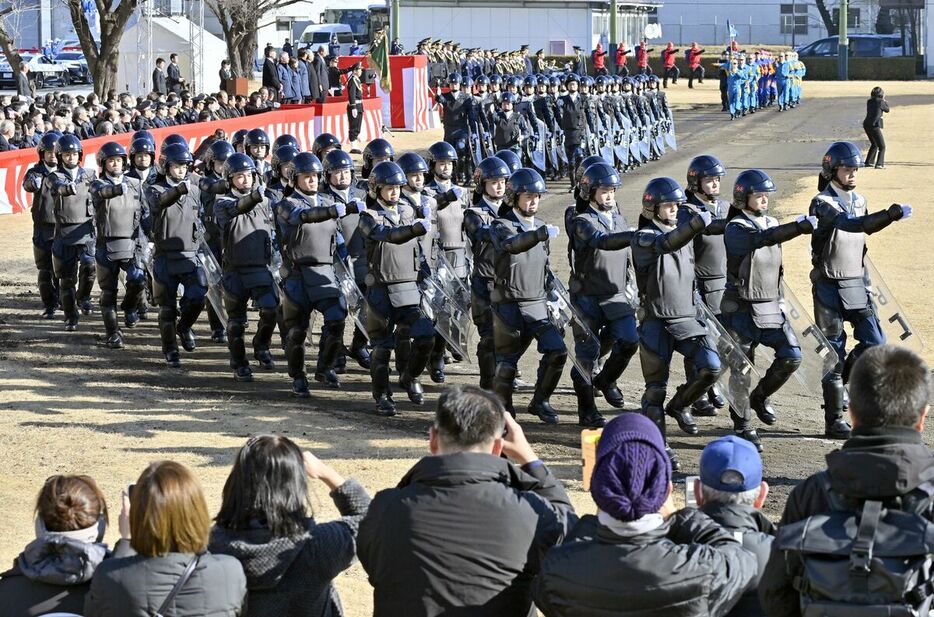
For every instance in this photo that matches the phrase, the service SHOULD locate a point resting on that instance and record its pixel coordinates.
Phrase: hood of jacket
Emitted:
(736, 517)
(265, 559)
(59, 560)
(467, 468)
(879, 463)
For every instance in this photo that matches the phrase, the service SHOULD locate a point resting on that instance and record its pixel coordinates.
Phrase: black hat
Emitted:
(577, 48)
(143, 106)
(330, 58)
(540, 51)
(523, 47)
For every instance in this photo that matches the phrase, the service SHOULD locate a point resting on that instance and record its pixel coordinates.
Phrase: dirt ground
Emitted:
(70, 406)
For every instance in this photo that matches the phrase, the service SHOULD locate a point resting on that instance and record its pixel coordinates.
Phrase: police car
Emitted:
(77, 66)
(44, 70)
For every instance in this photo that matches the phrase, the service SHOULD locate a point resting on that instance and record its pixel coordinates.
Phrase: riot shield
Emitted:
(214, 275)
(446, 301)
(606, 150)
(644, 148)
(670, 138)
(734, 362)
(356, 303)
(536, 147)
(561, 314)
(552, 146)
(892, 317)
(559, 146)
(657, 137)
(474, 141)
(817, 356)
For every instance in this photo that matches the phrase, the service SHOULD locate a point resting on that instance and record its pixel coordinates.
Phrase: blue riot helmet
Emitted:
(749, 182)
(512, 160)
(703, 166)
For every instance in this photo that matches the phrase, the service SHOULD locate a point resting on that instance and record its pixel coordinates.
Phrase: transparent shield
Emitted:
(892, 317)
(817, 356)
(446, 301)
(214, 275)
(356, 303)
(561, 314)
(737, 368)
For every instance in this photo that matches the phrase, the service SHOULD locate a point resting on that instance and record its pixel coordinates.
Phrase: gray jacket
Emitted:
(136, 586)
(52, 574)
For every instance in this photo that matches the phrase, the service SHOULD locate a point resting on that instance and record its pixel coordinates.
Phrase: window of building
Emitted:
(852, 18)
(793, 18)
(283, 26)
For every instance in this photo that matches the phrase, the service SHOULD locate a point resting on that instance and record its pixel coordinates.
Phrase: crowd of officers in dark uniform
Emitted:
(297, 234)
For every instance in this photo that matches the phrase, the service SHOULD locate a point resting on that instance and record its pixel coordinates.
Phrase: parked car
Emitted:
(44, 70)
(861, 46)
(317, 35)
(77, 65)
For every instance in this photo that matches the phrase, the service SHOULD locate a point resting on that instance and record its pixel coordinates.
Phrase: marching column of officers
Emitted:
(300, 235)
(552, 122)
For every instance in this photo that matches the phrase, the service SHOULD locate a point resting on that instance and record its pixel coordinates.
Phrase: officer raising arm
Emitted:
(752, 309)
(310, 242)
(43, 220)
(391, 229)
(838, 247)
(663, 260)
(520, 294)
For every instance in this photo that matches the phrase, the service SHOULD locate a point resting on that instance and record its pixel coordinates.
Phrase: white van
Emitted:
(317, 35)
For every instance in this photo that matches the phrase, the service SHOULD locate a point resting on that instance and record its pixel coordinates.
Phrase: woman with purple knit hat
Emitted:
(638, 555)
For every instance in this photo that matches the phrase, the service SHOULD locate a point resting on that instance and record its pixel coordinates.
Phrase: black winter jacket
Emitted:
(874, 463)
(687, 567)
(757, 533)
(463, 534)
(293, 577)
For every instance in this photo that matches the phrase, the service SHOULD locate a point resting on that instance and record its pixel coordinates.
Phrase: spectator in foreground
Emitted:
(290, 560)
(638, 552)
(465, 530)
(165, 521)
(53, 573)
(884, 458)
(731, 492)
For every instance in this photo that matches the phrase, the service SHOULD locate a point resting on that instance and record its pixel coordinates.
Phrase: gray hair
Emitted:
(743, 498)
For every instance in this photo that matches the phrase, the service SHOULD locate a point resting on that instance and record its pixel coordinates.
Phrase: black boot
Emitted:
(379, 375)
(329, 349)
(358, 349)
(549, 373)
(775, 377)
(295, 358)
(403, 350)
(612, 369)
(436, 362)
(715, 396)
(114, 338)
(587, 414)
(218, 328)
(742, 429)
(657, 415)
(48, 291)
(486, 360)
(835, 427)
(677, 409)
(69, 307)
(237, 346)
(421, 350)
(265, 327)
(504, 384)
(87, 273)
(168, 335)
(187, 318)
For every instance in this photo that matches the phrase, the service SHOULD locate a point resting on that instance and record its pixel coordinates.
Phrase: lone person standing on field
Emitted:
(876, 105)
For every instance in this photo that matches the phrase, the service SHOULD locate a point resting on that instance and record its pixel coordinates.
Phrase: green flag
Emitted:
(378, 57)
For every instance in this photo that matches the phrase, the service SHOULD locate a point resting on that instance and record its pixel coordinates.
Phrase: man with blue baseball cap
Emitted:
(731, 491)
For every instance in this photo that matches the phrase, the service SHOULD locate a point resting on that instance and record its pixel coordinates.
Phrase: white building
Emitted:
(778, 22)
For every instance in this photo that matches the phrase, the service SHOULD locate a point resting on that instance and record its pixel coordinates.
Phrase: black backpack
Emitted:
(865, 559)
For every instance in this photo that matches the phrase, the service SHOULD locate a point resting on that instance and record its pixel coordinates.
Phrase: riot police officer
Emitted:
(391, 229)
(599, 242)
(142, 167)
(278, 183)
(752, 311)
(663, 258)
(212, 185)
(256, 145)
(492, 174)
(460, 114)
(118, 210)
(521, 289)
(338, 189)
(72, 255)
(43, 220)
(174, 201)
(510, 128)
(311, 241)
(838, 247)
(705, 173)
(324, 143)
(243, 217)
(375, 152)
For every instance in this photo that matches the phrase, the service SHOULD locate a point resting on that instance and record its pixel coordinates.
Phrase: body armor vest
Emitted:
(520, 277)
(709, 250)
(841, 256)
(248, 236)
(310, 244)
(483, 252)
(43, 202)
(667, 284)
(74, 209)
(393, 263)
(598, 272)
(757, 275)
(176, 228)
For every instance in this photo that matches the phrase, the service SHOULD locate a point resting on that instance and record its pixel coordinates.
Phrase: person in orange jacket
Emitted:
(642, 58)
(697, 71)
(669, 55)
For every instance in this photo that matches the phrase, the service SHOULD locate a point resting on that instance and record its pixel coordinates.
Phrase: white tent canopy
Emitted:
(169, 35)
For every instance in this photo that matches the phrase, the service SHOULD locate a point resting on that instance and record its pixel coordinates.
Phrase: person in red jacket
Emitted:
(599, 60)
(642, 58)
(621, 68)
(669, 55)
(697, 71)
